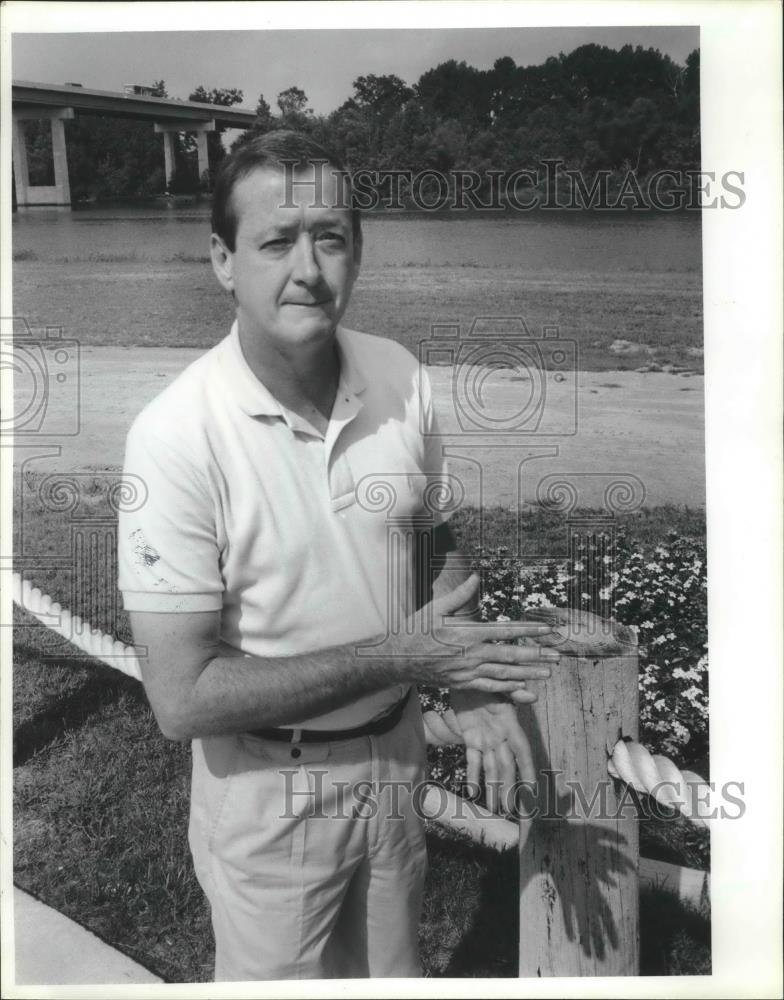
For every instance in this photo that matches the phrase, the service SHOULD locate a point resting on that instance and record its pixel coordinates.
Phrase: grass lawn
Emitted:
(100, 803)
(109, 301)
(100, 819)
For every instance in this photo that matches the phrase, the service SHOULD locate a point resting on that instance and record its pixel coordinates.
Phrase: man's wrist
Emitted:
(384, 662)
(405, 666)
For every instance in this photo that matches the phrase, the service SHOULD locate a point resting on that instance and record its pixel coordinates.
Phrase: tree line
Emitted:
(597, 108)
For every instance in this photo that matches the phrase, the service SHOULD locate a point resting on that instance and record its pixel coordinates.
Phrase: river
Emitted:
(553, 242)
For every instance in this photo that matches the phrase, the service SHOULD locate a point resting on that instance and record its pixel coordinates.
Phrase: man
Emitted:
(257, 576)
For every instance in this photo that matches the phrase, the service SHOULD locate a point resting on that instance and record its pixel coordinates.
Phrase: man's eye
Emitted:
(331, 237)
(279, 244)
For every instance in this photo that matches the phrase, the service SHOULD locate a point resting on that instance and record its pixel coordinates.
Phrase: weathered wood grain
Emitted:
(579, 855)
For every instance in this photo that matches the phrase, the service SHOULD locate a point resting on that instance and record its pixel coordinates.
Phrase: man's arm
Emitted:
(195, 691)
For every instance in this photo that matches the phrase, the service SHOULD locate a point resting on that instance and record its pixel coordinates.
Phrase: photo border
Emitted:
(740, 45)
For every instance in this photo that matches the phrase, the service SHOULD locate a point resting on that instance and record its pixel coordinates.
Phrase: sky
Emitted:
(324, 63)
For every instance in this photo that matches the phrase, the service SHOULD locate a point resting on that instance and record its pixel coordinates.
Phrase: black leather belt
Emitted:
(374, 728)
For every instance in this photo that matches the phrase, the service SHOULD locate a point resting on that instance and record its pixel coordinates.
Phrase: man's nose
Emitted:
(306, 268)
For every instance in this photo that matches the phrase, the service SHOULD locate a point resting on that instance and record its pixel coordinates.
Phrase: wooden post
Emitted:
(579, 856)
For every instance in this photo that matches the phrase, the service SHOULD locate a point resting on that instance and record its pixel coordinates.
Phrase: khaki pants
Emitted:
(313, 864)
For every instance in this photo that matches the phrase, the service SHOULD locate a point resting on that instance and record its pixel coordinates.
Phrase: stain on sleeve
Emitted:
(144, 554)
(145, 557)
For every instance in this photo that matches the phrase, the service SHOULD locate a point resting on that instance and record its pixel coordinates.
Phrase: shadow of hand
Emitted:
(586, 913)
(576, 864)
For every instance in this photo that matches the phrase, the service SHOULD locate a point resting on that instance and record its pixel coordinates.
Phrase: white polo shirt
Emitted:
(299, 540)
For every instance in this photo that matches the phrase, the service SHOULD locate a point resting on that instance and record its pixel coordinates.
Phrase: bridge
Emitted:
(58, 104)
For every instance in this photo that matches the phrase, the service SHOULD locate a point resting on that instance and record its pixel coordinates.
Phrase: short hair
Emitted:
(276, 150)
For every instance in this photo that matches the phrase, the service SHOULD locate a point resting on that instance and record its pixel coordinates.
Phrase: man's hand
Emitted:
(496, 744)
(474, 663)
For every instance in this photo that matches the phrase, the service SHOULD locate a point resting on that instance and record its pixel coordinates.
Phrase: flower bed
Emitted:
(660, 590)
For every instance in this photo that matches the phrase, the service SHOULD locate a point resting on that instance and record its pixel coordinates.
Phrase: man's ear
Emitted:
(222, 262)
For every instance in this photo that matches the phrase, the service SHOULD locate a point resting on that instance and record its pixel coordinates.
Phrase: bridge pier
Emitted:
(57, 103)
(58, 193)
(171, 129)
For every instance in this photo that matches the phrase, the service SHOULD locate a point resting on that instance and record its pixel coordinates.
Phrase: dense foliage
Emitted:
(597, 108)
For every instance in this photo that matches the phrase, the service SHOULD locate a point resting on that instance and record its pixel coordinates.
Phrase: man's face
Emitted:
(294, 262)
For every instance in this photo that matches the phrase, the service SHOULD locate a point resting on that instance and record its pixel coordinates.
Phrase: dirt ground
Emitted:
(514, 437)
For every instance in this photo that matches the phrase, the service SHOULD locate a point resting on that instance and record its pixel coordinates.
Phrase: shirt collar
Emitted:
(250, 393)
(255, 398)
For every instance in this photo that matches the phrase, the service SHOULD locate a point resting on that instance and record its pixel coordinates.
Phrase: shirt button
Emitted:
(296, 752)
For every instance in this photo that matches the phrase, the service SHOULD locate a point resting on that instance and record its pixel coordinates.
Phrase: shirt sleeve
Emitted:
(168, 554)
(443, 492)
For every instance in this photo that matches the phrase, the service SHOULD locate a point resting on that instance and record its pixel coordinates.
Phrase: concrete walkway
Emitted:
(52, 950)
(595, 427)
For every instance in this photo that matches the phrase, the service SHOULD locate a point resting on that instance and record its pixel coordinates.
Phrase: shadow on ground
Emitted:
(78, 688)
